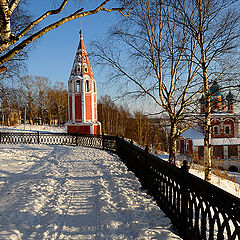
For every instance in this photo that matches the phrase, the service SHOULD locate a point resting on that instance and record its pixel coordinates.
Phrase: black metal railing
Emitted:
(94, 141)
(197, 208)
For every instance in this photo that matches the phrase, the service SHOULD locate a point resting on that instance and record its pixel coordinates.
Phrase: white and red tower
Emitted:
(82, 95)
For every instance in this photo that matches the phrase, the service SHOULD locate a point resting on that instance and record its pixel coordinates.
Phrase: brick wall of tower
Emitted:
(88, 108)
(70, 107)
(78, 107)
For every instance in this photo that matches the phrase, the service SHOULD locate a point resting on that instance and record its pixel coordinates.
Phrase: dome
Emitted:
(214, 89)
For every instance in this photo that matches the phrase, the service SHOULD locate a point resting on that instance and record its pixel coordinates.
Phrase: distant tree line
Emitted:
(118, 120)
(35, 101)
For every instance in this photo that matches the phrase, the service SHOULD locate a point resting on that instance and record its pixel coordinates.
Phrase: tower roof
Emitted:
(230, 97)
(215, 90)
(81, 65)
(202, 99)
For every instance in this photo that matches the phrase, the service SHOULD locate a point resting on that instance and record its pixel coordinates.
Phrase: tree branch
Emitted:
(37, 21)
(13, 4)
(40, 33)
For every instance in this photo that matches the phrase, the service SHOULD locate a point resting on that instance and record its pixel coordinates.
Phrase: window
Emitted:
(200, 151)
(85, 67)
(187, 146)
(217, 152)
(94, 86)
(227, 130)
(79, 69)
(216, 130)
(84, 58)
(87, 86)
(78, 86)
(233, 151)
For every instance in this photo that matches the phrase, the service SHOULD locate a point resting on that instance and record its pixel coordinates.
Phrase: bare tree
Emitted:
(42, 84)
(160, 54)
(29, 92)
(140, 128)
(13, 41)
(20, 19)
(215, 27)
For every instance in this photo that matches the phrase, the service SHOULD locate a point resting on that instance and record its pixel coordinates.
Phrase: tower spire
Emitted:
(82, 95)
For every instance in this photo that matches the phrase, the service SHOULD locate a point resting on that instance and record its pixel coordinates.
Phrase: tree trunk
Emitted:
(207, 140)
(173, 144)
(207, 119)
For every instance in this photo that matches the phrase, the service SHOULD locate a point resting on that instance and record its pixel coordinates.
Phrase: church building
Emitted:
(225, 132)
(82, 95)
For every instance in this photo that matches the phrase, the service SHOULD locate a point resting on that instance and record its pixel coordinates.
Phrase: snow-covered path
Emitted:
(60, 192)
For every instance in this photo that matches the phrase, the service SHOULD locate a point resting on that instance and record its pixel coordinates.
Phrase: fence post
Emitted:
(145, 174)
(76, 139)
(117, 144)
(38, 137)
(103, 141)
(184, 202)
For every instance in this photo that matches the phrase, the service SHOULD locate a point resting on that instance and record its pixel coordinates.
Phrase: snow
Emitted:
(225, 184)
(33, 128)
(232, 187)
(193, 133)
(218, 141)
(64, 192)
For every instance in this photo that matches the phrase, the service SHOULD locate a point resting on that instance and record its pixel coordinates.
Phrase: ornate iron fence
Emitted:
(101, 141)
(197, 208)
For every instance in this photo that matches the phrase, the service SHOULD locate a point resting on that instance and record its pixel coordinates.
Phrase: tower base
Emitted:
(84, 128)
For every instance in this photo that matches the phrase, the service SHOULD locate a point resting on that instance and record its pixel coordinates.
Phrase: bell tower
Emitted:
(82, 95)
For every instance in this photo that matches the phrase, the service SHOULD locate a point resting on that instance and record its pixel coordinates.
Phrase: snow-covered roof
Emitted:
(193, 133)
(218, 141)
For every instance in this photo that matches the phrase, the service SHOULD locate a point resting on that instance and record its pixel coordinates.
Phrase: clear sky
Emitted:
(54, 53)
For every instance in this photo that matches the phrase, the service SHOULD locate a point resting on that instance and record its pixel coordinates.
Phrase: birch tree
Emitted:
(14, 42)
(157, 61)
(215, 27)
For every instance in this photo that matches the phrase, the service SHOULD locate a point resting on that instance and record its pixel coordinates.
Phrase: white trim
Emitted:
(225, 152)
(91, 129)
(73, 107)
(68, 108)
(83, 102)
(92, 104)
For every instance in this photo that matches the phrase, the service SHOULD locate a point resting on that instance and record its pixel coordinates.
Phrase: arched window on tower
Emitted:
(78, 88)
(88, 88)
(85, 67)
(216, 130)
(227, 130)
(94, 86)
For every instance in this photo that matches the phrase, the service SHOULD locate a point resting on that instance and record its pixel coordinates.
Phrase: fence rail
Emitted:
(100, 141)
(198, 209)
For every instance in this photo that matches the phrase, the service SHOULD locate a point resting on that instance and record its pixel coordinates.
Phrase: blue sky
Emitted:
(54, 53)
